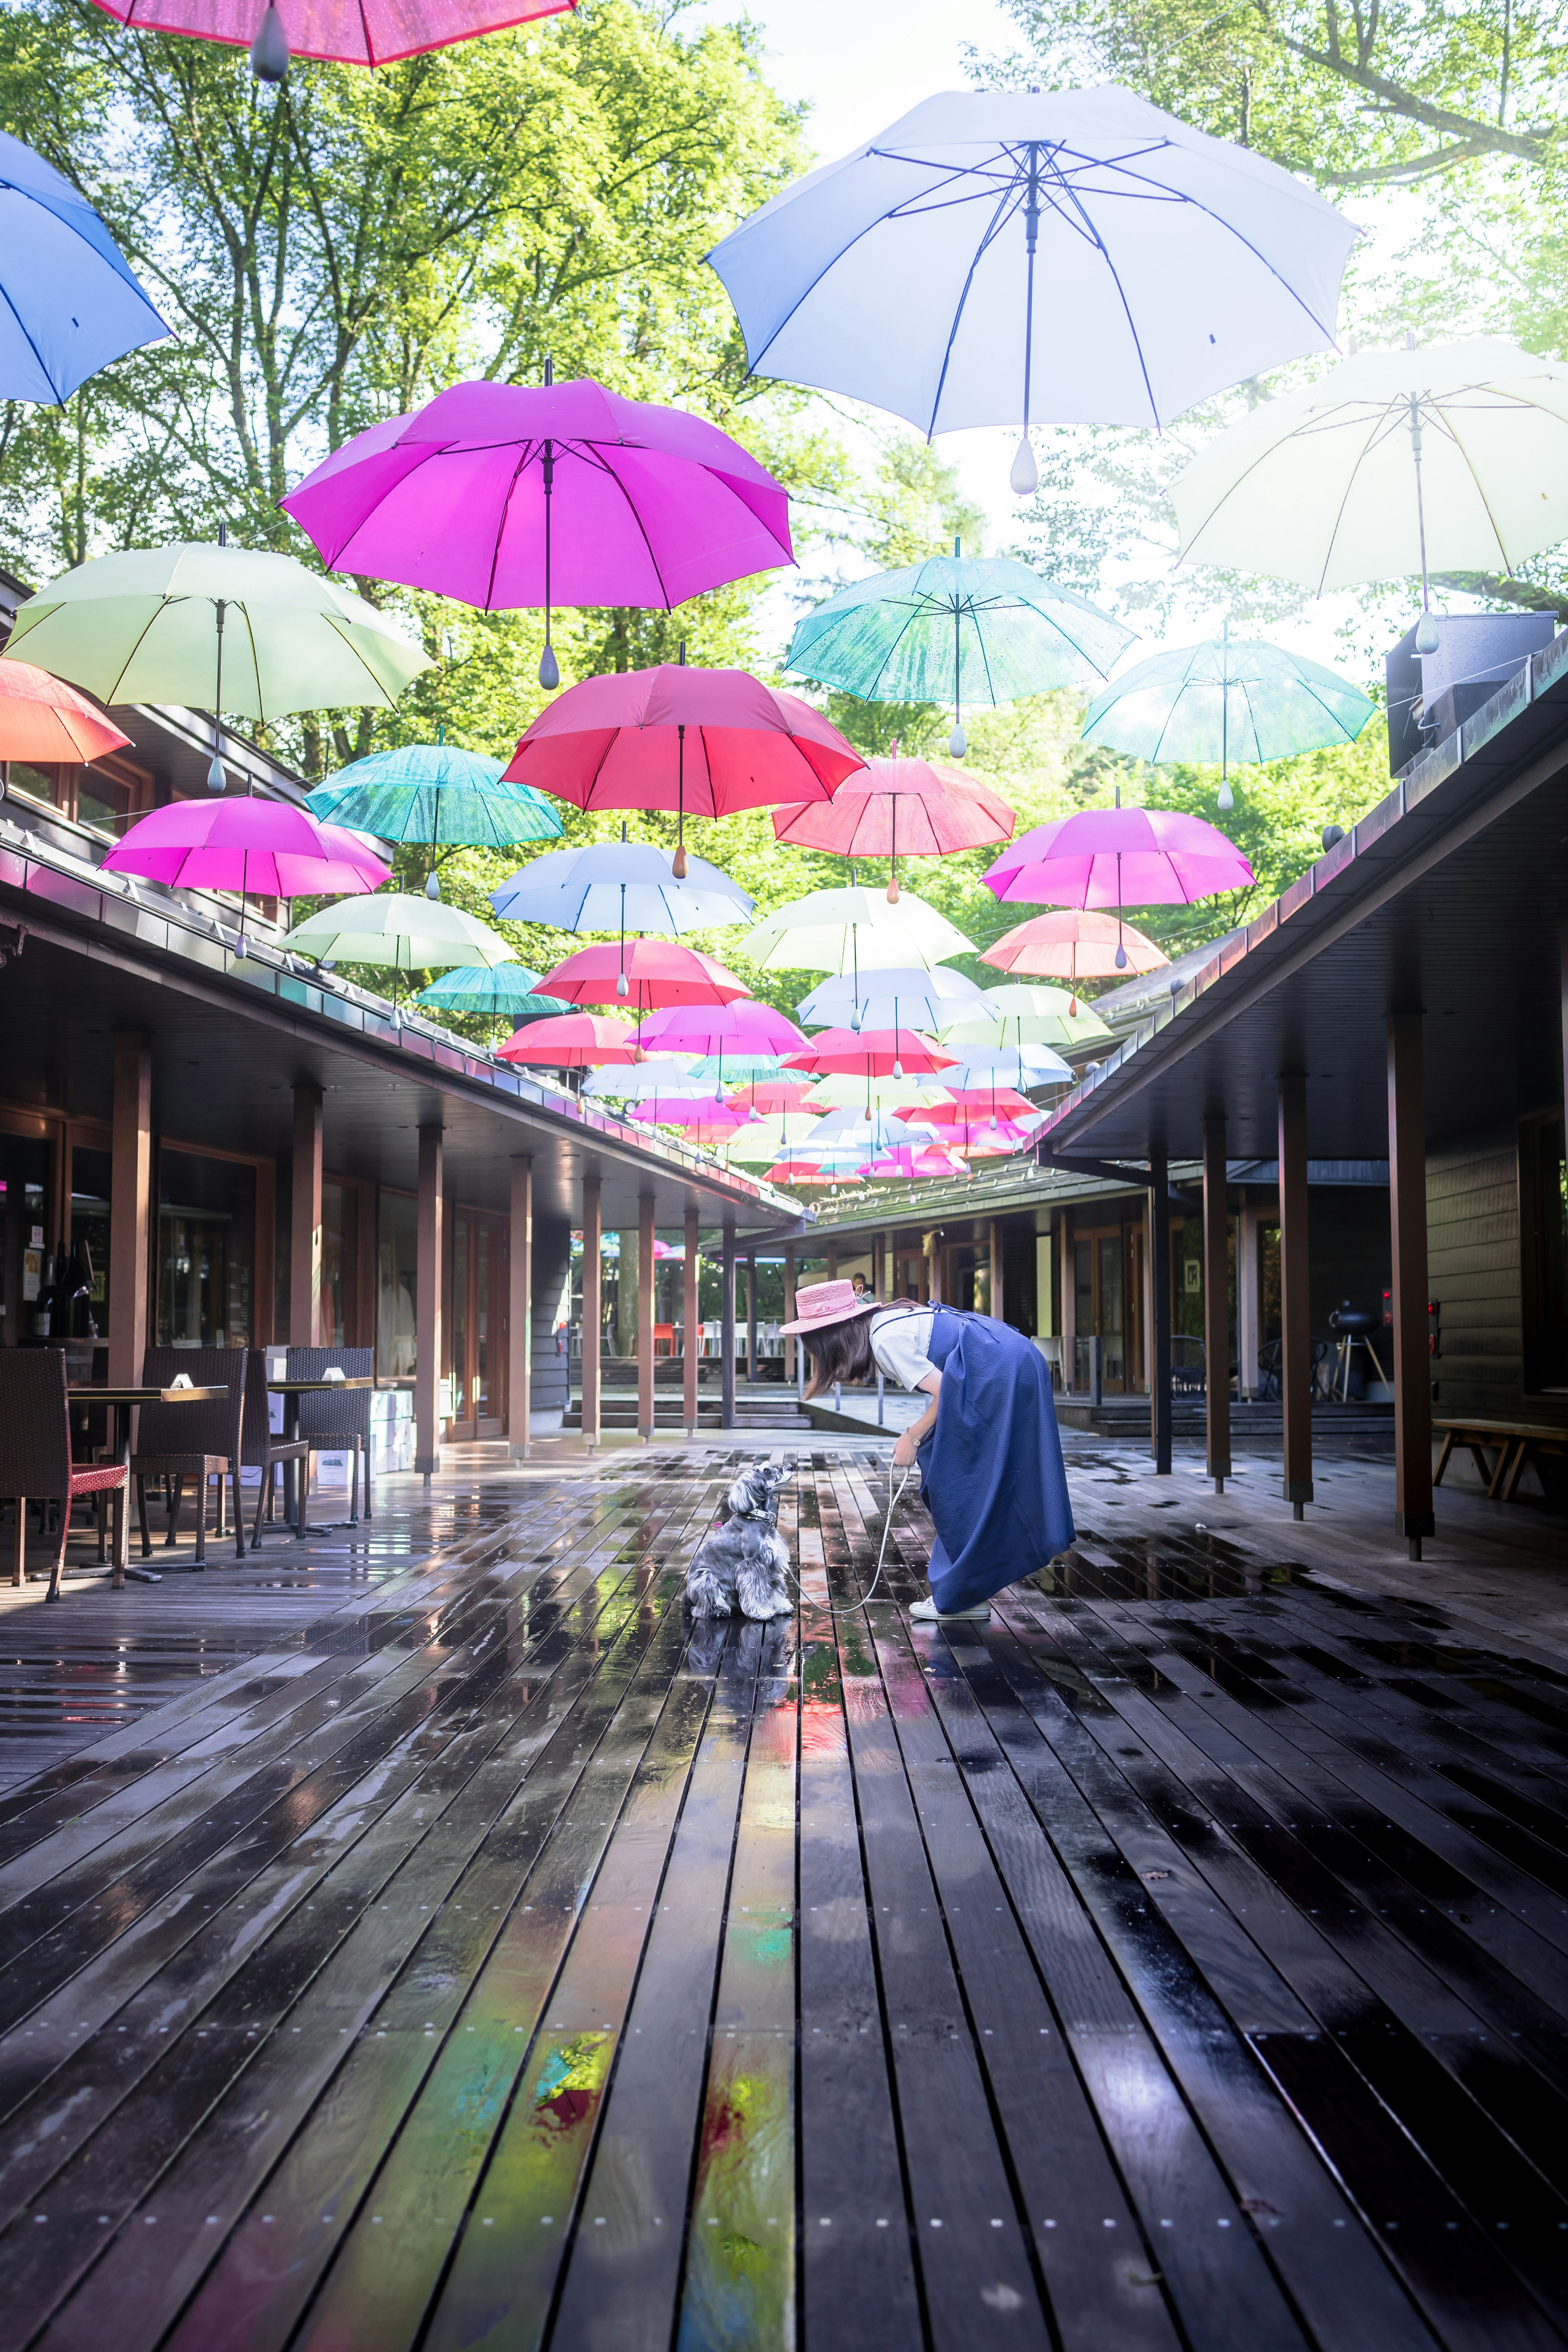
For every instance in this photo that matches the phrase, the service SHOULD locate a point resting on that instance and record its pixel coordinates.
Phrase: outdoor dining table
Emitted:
(291, 1391)
(124, 1400)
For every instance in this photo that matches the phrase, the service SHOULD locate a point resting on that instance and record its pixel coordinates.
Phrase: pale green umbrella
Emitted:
(218, 628)
(1019, 1015)
(405, 933)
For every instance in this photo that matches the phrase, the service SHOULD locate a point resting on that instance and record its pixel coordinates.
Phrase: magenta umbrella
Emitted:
(505, 495)
(269, 846)
(711, 1111)
(347, 32)
(747, 1026)
(1117, 857)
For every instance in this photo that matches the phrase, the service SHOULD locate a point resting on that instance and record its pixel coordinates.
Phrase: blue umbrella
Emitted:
(435, 793)
(894, 999)
(982, 630)
(68, 303)
(620, 885)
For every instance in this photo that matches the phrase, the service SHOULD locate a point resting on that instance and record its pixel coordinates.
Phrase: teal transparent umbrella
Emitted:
(957, 629)
(436, 793)
(1224, 701)
(505, 993)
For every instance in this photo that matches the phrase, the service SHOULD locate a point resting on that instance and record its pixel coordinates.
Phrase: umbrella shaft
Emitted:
(1031, 238)
(1420, 503)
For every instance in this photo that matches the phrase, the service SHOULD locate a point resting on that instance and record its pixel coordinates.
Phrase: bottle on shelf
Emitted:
(44, 1304)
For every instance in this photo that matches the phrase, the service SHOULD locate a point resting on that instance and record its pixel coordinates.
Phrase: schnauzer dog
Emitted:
(742, 1565)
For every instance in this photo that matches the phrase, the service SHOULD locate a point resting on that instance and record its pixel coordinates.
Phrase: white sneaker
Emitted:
(926, 1613)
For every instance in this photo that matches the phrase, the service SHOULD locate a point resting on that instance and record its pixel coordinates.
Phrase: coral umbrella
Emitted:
(504, 495)
(747, 1024)
(651, 971)
(717, 1117)
(912, 808)
(773, 1097)
(873, 1053)
(42, 718)
(573, 1041)
(707, 741)
(246, 844)
(1118, 857)
(68, 303)
(1072, 946)
(964, 1103)
(342, 32)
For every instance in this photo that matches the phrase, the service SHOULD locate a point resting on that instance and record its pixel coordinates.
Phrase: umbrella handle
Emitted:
(677, 863)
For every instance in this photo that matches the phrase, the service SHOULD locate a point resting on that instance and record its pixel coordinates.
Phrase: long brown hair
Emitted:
(842, 1351)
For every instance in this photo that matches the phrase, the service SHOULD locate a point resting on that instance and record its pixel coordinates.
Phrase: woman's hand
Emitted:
(904, 1450)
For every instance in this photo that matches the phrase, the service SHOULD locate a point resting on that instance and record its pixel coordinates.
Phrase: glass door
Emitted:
(476, 1391)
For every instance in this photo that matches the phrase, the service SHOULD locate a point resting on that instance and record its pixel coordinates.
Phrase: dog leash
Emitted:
(893, 1502)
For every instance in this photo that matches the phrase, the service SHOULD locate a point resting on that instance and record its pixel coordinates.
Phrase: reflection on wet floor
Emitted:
(1203, 1568)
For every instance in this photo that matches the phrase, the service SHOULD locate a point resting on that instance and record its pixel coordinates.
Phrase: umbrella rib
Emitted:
(1007, 200)
(517, 473)
(142, 635)
(1447, 426)
(27, 338)
(1098, 242)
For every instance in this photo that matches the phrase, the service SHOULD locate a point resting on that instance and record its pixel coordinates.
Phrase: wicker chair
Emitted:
(36, 1456)
(258, 1448)
(329, 1422)
(180, 1441)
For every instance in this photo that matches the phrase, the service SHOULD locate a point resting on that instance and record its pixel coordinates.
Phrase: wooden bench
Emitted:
(1515, 1443)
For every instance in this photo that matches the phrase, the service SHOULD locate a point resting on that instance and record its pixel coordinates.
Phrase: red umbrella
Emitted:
(572, 1041)
(1118, 857)
(893, 808)
(652, 971)
(870, 1052)
(1073, 946)
(710, 741)
(747, 1026)
(794, 1171)
(42, 718)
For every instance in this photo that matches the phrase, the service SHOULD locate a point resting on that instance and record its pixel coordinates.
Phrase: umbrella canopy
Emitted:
(439, 793)
(1117, 857)
(574, 1041)
(853, 1092)
(966, 1103)
(893, 807)
(347, 32)
(841, 1129)
(874, 1053)
(1021, 1016)
(664, 1078)
(753, 1070)
(709, 1111)
(405, 933)
(986, 1139)
(1073, 945)
(503, 990)
(786, 1172)
(1020, 1065)
(68, 301)
(42, 718)
(268, 847)
(649, 972)
(750, 1026)
(915, 1163)
(770, 1097)
(504, 495)
(852, 930)
(1225, 700)
(221, 628)
(904, 274)
(955, 629)
(761, 1139)
(889, 1000)
(1454, 459)
(620, 885)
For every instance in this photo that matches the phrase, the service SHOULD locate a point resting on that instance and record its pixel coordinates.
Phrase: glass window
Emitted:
(90, 1179)
(459, 1320)
(398, 1286)
(482, 1239)
(1111, 1304)
(24, 1226)
(206, 1251)
(340, 1255)
(42, 783)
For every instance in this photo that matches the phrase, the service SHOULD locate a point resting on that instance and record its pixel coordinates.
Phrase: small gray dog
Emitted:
(742, 1565)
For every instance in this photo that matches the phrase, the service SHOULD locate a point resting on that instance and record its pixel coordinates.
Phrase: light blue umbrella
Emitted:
(620, 885)
(1223, 700)
(896, 998)
(68, 302)
(435, 793)
(956, 630)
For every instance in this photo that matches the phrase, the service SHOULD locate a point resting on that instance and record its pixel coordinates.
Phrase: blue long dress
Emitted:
(991, 1470)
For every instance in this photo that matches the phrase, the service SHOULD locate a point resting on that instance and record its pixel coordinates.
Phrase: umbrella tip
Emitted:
(958, 742)
(216, 779)
(892, 892)
(548, 668)
(678, 863)
(432, 885)
(270, 50)
(1227, 797)
(549, 369)
(1120, 957)
(1023, 479)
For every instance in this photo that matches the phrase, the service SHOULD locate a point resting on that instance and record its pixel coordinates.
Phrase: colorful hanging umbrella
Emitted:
(403, 933)
(620, 885)
(649, 972)
(1073, 945)
(718, 1116)
(1021, 1016)
(750, 1026)
(855, 1092)
(705, 742)
(656, 1077)
(68, 301)
(1019, 1065)
(345, 32)
(266, 848)
(871, 1053)
(787, 1172)
(914, 1165)
(504, 989)
(893, 807)
(985, 1139)
(506, 496)
(965, 1104)
(436, 793)
(761, 1139)
(1220, 701)
(890, 999)
(574, 1041)
(1118, 857)
(42, 718)
(852, 930)
(752, 1074)
(955, 629)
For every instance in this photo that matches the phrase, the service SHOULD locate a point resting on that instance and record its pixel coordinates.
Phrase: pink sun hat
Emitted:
(828, 1302)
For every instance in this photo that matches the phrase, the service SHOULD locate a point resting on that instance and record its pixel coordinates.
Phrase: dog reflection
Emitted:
(764, 1652)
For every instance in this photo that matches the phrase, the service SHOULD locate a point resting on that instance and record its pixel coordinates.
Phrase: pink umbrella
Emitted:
(1118, 857)
(461, 497)
(769, 1095)
(246, 843)
(651, 971)
(710, 741)
(983, 1138)
(914, 1162)
(747, 1026)
(347, 32)
(974, 1104)
(893, 808)
(870, 1052)
(572, 1041)
(799, 1172)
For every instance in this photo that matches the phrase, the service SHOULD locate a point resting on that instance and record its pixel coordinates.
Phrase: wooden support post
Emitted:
(131, 1207)
(1160, 1310)
(1407, 1212)
(727, 1327)
(1216, 1301)
(1295, 1298)
(998, 1299)
(305, 1221)
(520, 1308)
(593, 1335)
(431, 1254)
(751, 1317)
(691, 1308)
(645, 1421)
(791, 1346)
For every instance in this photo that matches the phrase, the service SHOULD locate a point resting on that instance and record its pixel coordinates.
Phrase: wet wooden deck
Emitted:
(481, 1959)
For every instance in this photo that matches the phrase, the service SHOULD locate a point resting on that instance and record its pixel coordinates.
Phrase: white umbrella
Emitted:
(1073, 255)
(1393, 462)
(845, 1089)
(852, 930)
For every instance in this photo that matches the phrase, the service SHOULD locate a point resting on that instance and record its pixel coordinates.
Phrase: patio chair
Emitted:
(36, 1457)
(179, 1441)
(331, 1423)
(259, 1447)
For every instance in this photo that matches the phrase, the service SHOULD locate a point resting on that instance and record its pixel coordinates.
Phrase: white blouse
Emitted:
(900, 1338)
